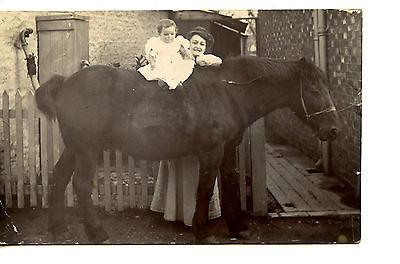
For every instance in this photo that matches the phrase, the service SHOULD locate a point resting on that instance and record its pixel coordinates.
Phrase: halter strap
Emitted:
(309, 116)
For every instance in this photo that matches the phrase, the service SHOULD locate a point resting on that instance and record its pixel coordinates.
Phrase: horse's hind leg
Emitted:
(62, 175)
(85, 169)
(231, 211)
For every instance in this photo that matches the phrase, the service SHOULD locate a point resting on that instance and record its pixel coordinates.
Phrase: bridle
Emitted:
(318, 113)
(308, 116)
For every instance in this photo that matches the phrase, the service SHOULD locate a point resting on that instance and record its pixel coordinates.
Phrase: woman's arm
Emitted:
(208, 60)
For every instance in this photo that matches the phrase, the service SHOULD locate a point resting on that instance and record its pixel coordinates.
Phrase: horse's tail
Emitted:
(45, 95)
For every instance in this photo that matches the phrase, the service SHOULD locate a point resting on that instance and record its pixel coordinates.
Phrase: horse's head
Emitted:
(315, 105)
(301, 85)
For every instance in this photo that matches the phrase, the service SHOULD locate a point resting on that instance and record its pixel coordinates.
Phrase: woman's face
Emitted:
(198, 45)
(167, 35)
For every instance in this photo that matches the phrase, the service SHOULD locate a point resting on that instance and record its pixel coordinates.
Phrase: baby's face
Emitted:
(197, 45)
(167, 35)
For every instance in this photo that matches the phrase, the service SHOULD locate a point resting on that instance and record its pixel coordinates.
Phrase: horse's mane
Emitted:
(247, 68)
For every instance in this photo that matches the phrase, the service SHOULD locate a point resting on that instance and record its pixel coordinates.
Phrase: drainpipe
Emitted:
(320, 51)
(322, 40)
(315, 37)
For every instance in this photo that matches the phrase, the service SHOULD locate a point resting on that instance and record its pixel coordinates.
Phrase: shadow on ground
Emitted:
(135, 226)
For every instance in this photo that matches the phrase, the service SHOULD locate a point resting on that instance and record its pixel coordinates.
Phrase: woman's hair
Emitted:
(165, 23)
(202, 32)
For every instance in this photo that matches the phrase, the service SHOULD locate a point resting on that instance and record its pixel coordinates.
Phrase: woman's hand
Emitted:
(201, 62)
(185, 53)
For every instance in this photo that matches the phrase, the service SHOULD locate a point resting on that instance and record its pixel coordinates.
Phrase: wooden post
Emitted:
(120, 196)
(95, 189)
(257, 139)
(132, 190)
(20, 150)
(107, 186)
(258, 171)
(143, 181)
(43, 160)
(32, 133)
(7, 150)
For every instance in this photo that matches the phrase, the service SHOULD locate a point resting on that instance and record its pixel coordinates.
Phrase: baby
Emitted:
(167, 54)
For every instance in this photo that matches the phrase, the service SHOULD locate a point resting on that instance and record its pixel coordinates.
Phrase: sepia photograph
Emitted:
(181, 126)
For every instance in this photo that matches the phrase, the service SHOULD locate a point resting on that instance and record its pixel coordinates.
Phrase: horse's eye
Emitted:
(315, 92)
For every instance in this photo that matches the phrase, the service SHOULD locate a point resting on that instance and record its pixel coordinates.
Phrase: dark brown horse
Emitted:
(102, 108)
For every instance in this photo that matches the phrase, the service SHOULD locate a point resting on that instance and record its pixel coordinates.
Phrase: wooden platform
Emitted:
(298, 192)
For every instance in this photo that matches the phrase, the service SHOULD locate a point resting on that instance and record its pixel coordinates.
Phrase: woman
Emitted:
(175, 190)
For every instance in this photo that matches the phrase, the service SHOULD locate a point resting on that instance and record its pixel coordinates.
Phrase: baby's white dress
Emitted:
(169, 63)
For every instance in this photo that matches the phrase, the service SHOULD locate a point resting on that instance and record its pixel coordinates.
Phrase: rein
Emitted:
(241, 83)
(349, 106)
(355, 103)
(318, 113)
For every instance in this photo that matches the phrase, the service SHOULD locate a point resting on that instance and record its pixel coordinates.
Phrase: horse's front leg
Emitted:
(231, 211)
(209, 166)
(85, 169)
(62, 175)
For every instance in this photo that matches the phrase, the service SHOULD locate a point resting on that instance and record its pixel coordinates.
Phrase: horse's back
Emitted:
(92, 99)
(101, 104)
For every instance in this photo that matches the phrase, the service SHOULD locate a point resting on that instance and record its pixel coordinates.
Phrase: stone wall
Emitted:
(114, 36)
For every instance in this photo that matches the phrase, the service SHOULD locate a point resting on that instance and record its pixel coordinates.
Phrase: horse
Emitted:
(101, 107)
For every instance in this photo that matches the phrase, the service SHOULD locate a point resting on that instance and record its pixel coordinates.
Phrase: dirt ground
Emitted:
(136, 226)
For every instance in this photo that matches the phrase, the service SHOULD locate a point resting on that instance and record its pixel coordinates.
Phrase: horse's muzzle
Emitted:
(328, 133)
(333, 133)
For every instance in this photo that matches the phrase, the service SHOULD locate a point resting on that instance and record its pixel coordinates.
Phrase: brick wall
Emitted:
(288, 35)
(285, 35)
(344, 71)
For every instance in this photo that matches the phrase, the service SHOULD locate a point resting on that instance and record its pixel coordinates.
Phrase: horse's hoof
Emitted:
(63, 237)
(106, 242)
(96, 235)
(60, 233)
(207, 240)
(245, 235)
(9, 236)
